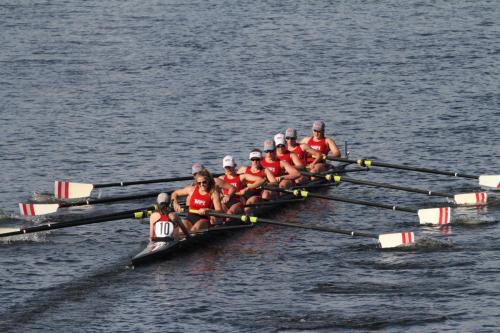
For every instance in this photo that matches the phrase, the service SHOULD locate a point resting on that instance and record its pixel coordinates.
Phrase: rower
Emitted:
(283, 154)
(256, 169)
(160, 229)
(300, 149)
(202, 196)
(220, 183)
(245, 185)
(322, 145)
(284, 173)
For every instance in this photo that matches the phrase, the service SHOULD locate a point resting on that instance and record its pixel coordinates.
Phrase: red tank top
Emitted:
(235, 181)
(321, 146)
(274, 167)
(259, 173)
(285, 157)
(198, 201)
(299, 152)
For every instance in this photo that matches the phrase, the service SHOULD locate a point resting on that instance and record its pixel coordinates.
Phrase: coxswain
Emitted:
(283, 171)
(322, 145)
(160, 229)
(245, 184)
(202, 197)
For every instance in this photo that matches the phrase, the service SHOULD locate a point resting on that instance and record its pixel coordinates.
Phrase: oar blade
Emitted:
(490, 181)
(67, 190)
(396, 239)
(37, 209)
(439, 216)
(471, 199)
(8, 230)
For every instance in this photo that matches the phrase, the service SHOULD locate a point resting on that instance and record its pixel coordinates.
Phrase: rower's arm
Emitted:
(225, 185)
(270, 177)
(256, 181)
(297, 163)
(335, 151)
(292, 173)
(182, 192)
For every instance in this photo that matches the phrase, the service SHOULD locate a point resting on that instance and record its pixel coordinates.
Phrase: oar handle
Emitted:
(255, 219)
(368, 163)
(78, 222)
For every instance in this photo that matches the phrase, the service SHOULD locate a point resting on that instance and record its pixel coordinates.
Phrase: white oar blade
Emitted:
(490, 181)
(471, 199)
(438, 216)
(8, 230)
(37, 209)
(67, 190)
(396, 240)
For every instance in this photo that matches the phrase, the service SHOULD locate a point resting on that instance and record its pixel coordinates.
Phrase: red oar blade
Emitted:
(396, 240)
(490, 181)
(67, 190)
(471, 199)
(30, 209)
(437, 216)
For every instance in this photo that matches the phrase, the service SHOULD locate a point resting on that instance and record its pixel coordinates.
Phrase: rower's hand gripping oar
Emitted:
(385, 240)
(33, 209)
(135, 213)
(491, 181)
(468, 199)
(71, 190)
(437, 216)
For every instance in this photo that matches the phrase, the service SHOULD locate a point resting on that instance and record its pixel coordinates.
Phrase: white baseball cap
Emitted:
(228, 161)
(279, 139)
(255, 154)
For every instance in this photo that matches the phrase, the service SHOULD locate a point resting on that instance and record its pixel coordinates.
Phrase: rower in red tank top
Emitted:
(254, 195)
(322, 145)
(283, 154)
(300, 149)
(281, 170)
(245, 187)
(202, 196)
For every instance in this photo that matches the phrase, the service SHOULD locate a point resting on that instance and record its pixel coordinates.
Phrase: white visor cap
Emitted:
(228, 161)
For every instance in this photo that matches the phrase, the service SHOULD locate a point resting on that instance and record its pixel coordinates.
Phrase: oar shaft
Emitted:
(337, 198)
(392, 186)
(147, 181)
(78, 222)
(404, 167)
(294, 225)
(362, 202)
(109, 200)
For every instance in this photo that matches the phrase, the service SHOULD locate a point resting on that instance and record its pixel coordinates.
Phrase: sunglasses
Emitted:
(204, 182)
(290, 138)
(280, 146)
(269, 151)
(255, 159)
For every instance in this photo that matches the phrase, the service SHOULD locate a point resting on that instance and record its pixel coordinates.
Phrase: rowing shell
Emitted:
(162, 250)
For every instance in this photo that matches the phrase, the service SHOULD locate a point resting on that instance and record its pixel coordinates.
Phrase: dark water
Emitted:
(102, 91)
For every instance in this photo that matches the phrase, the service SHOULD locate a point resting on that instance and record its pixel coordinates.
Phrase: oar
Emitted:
(471, 199)
(71, 190)
(385, 240)
(439, 216)
(135, 213)
(32, 209)
(484, 180)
